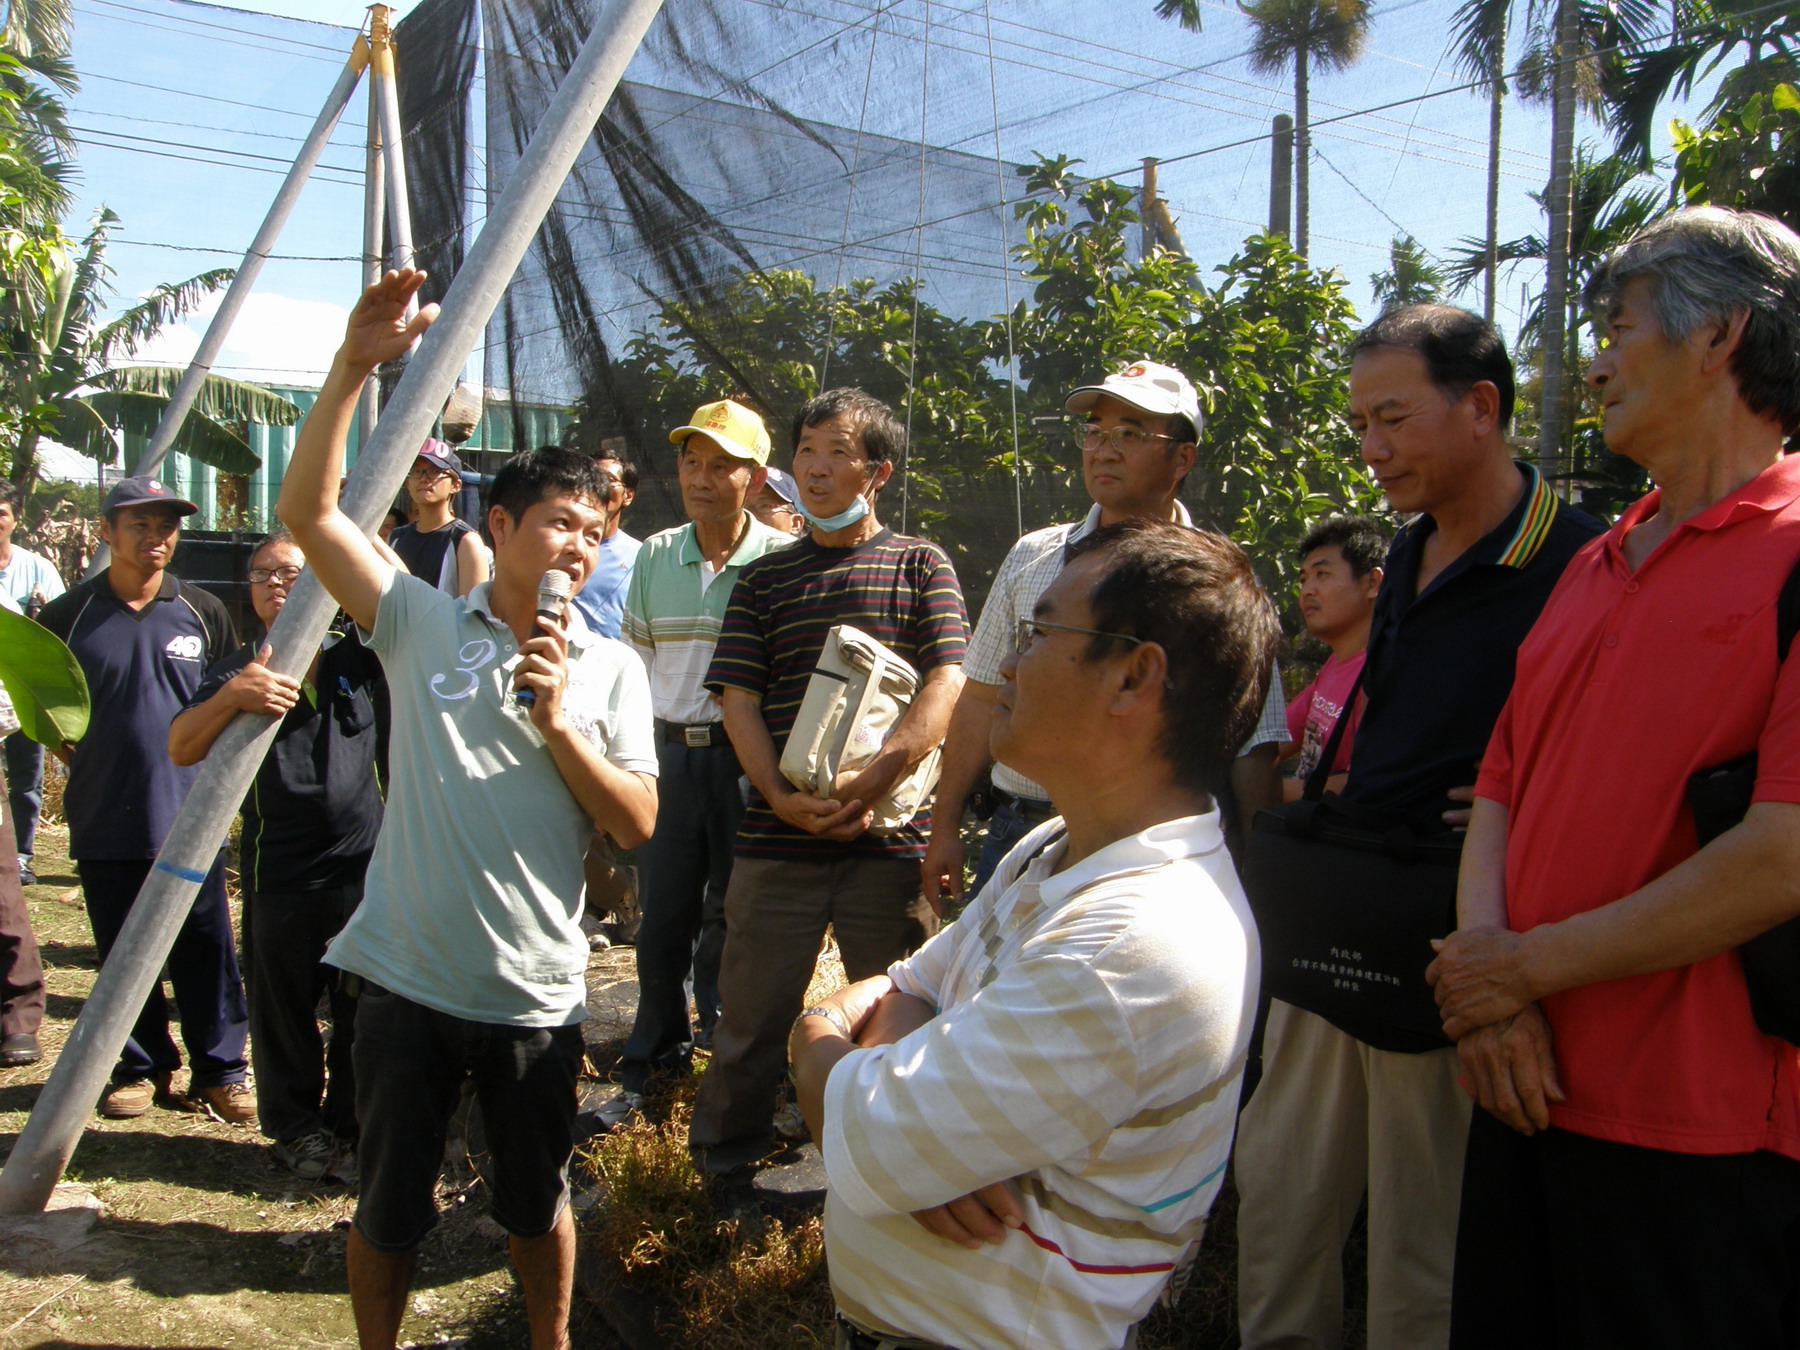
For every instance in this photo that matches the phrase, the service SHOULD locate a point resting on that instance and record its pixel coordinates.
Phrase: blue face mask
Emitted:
(843, 520)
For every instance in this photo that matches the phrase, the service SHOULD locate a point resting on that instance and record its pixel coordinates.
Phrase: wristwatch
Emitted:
(831, 1015)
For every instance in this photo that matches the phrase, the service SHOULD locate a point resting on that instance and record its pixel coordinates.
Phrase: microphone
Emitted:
(554, 591)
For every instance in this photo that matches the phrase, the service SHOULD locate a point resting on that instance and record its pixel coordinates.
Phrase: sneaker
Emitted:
(233, 1103)
(27, 877)
(308, 1157)
(127, 1101)
(342, 1166)
(789, 1123)
(625, 1108)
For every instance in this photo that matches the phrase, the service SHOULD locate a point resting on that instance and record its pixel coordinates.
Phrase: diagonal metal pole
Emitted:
(182, 400)
(187, 389)
(384, 91)
(61, 1113)
(374, 221)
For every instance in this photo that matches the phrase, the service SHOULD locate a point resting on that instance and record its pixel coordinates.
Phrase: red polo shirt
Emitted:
(1630, 683)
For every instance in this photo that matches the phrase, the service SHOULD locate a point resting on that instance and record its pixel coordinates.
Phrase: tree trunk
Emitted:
(1496, 99)
(24, 465)
(1302, 153)
(1556, 262)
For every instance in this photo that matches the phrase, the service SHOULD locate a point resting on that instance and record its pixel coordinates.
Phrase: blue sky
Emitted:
(189, 114)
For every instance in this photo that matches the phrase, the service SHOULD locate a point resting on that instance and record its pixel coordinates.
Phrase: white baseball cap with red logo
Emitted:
(1148, 386)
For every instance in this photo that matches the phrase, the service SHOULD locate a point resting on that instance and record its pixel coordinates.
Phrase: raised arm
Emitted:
(346, 562)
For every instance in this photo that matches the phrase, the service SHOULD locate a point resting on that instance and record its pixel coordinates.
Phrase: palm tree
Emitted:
(1478, 43)
(1705, 34)
(1412, 276)
(1607, 206)
(58, 366)
(1590, 41)
(1304, 33)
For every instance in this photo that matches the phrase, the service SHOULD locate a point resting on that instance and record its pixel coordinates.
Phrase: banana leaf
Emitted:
(47, 688)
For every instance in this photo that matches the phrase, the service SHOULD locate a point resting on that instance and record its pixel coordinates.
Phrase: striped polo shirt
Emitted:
(674, 609)
(895, 588)
(1091, 1035)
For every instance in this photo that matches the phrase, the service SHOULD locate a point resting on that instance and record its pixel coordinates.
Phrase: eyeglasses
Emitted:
(262, 576)
(427, 472)
(1125, 439)
(1029, 630)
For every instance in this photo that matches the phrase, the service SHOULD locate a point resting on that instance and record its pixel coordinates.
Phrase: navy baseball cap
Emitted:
(144, 492)
(782, 484)
(439, 455)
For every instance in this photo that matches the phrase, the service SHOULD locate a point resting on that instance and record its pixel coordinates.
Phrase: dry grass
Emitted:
(716, 1284)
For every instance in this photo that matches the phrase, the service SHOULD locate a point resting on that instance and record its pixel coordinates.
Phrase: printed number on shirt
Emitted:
(471, 657)
(187, 647)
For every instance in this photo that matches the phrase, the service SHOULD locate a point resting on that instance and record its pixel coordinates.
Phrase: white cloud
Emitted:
(277, 339)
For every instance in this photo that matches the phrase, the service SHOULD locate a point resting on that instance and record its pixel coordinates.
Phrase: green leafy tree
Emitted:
(61, 367)
(1703, 36)
(1746, 156)
(1305, 35)
(1411, 278)
(1265, 347)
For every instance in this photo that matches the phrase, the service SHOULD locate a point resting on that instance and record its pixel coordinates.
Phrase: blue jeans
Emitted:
(209, 995)
(1008, 825)
(25, 789)
(682, 874)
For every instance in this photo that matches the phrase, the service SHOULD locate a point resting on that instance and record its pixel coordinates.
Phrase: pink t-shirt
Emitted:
(1316, 709)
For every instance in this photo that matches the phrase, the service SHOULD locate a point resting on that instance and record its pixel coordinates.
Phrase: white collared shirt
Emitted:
(1089, 1044)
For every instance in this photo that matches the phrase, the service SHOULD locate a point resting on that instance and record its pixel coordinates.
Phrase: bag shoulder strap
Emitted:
(1315, 781)
(1787, 614)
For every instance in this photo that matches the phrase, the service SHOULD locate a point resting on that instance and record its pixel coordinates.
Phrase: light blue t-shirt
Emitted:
(473, 900)
(27, 572)
(602, 600)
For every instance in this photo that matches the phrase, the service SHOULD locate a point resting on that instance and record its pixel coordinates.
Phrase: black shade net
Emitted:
(779, 250)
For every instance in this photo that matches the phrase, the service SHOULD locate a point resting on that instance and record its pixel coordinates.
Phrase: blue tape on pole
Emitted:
(185, 873)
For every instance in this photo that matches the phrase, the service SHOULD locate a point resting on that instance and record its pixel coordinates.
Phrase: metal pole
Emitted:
(254, 257)
(374, 219)
(181, 402)
(386, 95)
(61, 1113)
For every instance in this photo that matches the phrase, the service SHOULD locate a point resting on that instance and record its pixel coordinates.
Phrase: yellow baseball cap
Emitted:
(733, 427)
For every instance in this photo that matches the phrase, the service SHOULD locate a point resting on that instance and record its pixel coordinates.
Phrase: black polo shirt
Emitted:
(314, 808)
(142, 666)
(1440, 663)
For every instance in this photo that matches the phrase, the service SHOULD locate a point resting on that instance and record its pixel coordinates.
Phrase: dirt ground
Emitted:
(204, 1240)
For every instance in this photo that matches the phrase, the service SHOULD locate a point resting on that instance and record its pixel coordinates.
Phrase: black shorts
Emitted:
(410, 1066)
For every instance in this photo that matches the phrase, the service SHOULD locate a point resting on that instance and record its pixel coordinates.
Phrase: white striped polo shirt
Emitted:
(1090, 1039)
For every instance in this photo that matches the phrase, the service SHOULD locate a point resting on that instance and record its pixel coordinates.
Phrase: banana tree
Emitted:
(61, 367)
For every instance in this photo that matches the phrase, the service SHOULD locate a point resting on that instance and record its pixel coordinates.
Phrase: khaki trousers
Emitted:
(1331, 1118)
